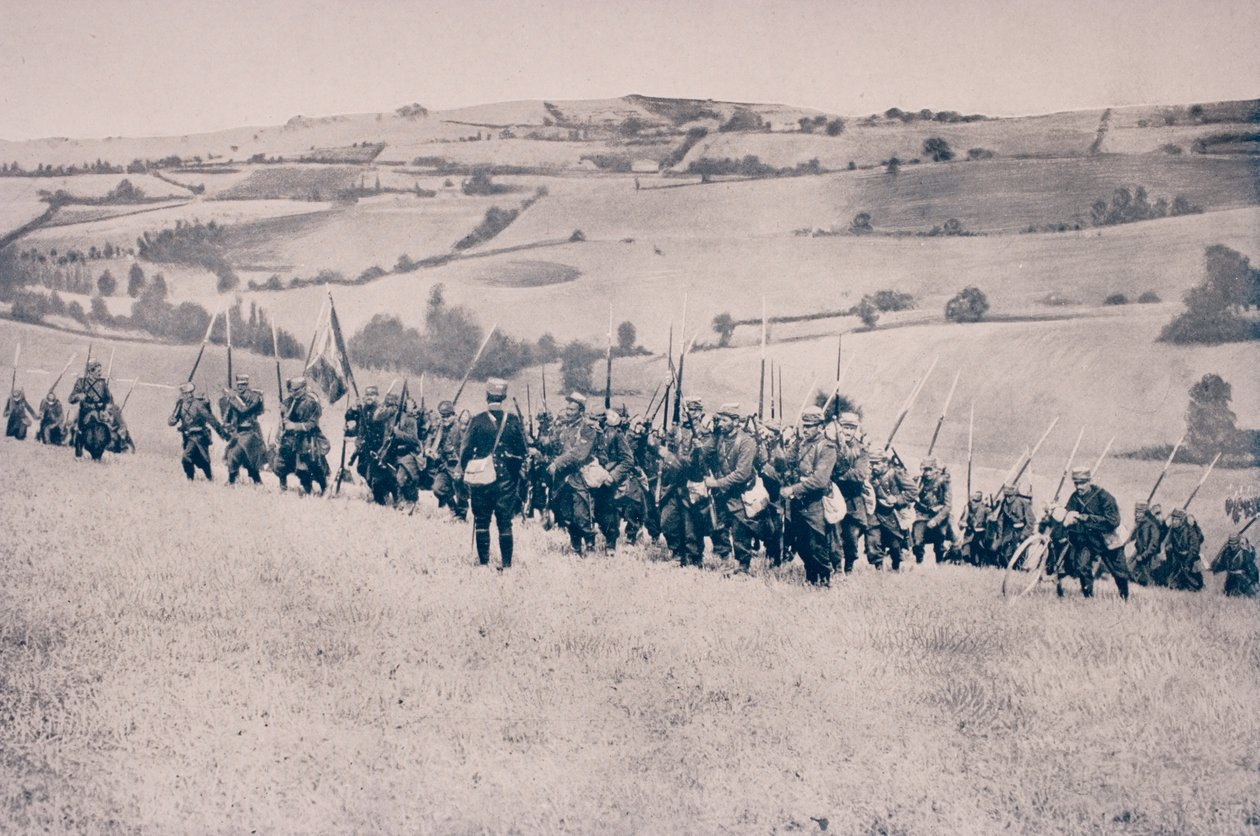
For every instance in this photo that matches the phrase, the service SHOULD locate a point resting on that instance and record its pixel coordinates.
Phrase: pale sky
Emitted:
(151, 67)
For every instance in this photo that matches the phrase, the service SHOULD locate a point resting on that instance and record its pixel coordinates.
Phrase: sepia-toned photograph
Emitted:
(643, 417)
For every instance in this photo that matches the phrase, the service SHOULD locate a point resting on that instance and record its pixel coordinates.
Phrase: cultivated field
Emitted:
(183, 657)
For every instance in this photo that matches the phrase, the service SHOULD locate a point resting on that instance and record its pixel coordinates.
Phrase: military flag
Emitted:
(328, 363)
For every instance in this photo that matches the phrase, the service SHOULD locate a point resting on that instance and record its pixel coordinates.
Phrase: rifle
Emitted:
(771, 391)
(971, 425)
(608, 363)
(1029, 455)
(1067, 468)
(227, 319)
(651, 401)
(1206, 473)
(17, 353)
(392, 430)
(127, 397)
(1094, 471)
(544, 386)
(669, 362)
(905, 409)
(64, 369)
(939, 421)
(109, 370)
(678, 387)
(1164, 472)
(275, 351)
(529, 405)
(761, 386)
(813, 384)
(781, 401)
(202, 350)
(437, 439)
(835, 393)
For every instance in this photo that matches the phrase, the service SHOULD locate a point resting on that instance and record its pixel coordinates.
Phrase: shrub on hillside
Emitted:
(867, 312)
(743, 119)
(676, 156)
(1214, 307)
(938, 149)
(29, 306)
(495, 221)
(106, 284)
(861, 224)
(970, 305)
(1148, 298)
(979, 154)
(1116, 299)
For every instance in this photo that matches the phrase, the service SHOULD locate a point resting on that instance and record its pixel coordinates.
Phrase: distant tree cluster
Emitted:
(196, 244)
(938, 149)
(926, 115)
(676, 156)
(969, 305)
(1132, 205)
(1216, 307)
(743, 119)
(750, 166)
(447, 344)
(481, 184)
(495, 221)
(832, 127)
(41, 170)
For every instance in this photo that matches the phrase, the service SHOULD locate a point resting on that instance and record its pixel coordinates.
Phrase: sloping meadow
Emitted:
(179, 657)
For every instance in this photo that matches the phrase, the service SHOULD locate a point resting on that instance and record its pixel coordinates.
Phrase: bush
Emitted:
(938, 149)
(575, 366)
(1150, 297)
(75, 311)
(724, 326)
(107, 284)
(1056, 300)
(1116, 299)
(892, 300)
(495, 221)
(970, 305)
(867, 312)
(405, 264)
(861, 224)
(577, 237)
(30, 306)
(135, 280)
(676, 156)
(979, 154)
(1231, 286)
(370, 274)
(99, 312)
(743, 119)
(835, 127)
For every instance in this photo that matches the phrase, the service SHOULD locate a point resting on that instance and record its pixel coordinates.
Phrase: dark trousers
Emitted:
(813, 548)
(499, 500)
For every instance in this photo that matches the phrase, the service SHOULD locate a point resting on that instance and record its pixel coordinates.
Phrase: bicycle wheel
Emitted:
(1025, 568)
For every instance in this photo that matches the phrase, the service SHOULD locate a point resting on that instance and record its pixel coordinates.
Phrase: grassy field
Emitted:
(230, 660)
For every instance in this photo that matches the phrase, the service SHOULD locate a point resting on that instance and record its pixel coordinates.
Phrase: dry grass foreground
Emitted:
(189, 658)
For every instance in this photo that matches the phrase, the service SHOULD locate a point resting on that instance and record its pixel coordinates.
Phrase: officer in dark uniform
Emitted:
(1092, 518)
(366, 432)
(195, 420)
(240, 408)
(495, 436)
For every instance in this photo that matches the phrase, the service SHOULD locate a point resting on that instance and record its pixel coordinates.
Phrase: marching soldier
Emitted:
(894, 491)
(361, 425)
(851, 475)
(1237, 559)
(571, 497)
(497, 438)
(805, 523)
(1012, 523)
(240, 408)
(92, 394)
(52, 420)
(772, 465)
(932, 511)
(613, 452)
(691, 497)
(975, 531)
(733, 454)
(542, 449)
(1182, 544)
(17, 410)
(1091, 517)
(1148, 533)
(303, 447)
(194, 420)
(122, 440)
(647, 461)
(397, 468)
(443, 458)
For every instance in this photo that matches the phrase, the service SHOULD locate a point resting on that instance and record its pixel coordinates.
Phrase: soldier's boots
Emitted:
(189, 470)
(481, 537)
(505, 549)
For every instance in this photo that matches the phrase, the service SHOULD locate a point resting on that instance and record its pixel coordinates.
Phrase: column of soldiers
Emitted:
(726, 484)
(95, 400)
